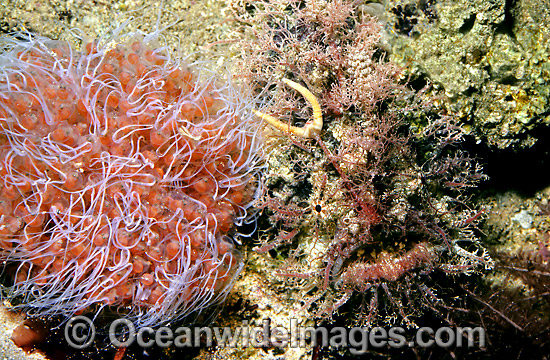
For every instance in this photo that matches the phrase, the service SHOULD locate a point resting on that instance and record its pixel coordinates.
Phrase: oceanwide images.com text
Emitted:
(80, 333)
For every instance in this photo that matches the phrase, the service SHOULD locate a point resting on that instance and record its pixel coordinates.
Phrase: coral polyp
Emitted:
(123, 173)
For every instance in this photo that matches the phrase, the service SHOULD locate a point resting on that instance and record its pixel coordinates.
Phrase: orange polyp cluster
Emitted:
(121, 175)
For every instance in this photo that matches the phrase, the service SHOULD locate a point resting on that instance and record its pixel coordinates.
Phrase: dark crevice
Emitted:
(523, 171)
(468, 24)
(507, 25)
(418, 82)
(510, 80)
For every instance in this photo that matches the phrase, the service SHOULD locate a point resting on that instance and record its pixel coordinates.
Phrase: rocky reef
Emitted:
(420, 201)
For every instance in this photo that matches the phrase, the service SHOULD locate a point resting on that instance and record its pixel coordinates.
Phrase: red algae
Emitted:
(122, 171)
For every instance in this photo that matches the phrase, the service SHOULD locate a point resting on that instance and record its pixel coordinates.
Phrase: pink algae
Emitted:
(123, 173)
